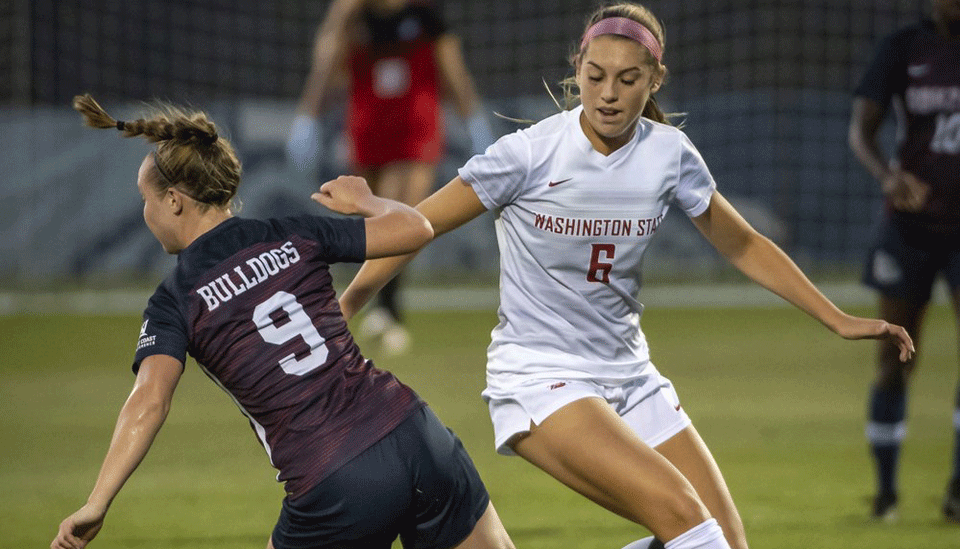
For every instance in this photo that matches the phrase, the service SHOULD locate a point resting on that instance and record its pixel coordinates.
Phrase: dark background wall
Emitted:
(764, 87)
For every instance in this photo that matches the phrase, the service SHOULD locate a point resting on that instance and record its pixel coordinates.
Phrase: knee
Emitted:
(892, 377)
(675, 512)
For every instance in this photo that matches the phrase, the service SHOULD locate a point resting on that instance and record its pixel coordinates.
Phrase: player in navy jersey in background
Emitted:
(916, 71)
(400, 60)
(363, 458)
(577, 198)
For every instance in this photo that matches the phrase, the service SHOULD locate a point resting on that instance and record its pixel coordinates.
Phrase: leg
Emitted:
(886, 427)
(385, 182)
(409, 183)
(627, 477)
(489, 533)
(690, 455)
(951, 502)
(420, 179)
(390, 183)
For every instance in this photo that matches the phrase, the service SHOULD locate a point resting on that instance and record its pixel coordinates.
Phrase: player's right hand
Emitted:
(77, 530)
(347, 194)
(852, 327)
(905, 191)
(303, 144)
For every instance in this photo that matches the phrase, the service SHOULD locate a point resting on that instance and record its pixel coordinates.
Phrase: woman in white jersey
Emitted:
(577, 199)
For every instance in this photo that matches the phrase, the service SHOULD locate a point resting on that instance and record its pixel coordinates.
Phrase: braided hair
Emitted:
(190, 155)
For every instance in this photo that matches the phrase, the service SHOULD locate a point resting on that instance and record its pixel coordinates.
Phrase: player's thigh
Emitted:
(953, 281)
(390, 181)
(690, 455)
(489, 533)
(421, 177)
(588, 447)
(955, 301)
(450, 499)
(901, 265)
(893, 373)
(905, 312)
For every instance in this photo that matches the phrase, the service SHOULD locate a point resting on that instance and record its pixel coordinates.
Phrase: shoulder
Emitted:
(659, 128)
(896, 42)
(662, 135)
(551, 127)
(168, 300)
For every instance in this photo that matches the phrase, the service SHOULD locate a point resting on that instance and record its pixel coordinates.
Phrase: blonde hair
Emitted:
(641, 15)
(190, 154)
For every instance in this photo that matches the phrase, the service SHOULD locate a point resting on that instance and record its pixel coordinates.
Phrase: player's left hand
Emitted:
(347, 194)
(77, 530)
(872, 328)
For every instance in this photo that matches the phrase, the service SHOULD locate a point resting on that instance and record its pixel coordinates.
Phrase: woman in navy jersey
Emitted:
(363, 458)
(400, 60)
(578, 197)
(917, 72)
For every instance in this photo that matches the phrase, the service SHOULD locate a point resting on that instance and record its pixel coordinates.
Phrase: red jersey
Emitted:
(394, 111)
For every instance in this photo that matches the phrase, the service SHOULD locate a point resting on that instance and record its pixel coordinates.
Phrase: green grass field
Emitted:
(779, 400)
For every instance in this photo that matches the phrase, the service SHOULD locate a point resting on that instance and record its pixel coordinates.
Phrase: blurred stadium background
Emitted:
(764, 84)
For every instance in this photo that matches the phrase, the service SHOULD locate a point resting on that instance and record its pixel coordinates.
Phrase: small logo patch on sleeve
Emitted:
(145, 340)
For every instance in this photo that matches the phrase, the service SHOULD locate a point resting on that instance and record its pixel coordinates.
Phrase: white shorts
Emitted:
(649, 405)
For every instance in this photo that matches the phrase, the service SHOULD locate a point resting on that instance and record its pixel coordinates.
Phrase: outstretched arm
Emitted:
(328, 52)
(138, 423)
(766, 264)
(450, 207)
(329, 49)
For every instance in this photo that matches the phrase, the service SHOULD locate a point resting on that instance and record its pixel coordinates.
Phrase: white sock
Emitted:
(706, 535)
(640, 543)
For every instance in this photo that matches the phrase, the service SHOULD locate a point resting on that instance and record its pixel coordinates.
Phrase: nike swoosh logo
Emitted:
(555, 183)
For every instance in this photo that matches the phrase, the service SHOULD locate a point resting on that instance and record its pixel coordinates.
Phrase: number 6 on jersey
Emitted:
(600, 270)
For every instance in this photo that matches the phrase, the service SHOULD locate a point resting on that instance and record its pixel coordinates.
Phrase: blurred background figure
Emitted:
(917, 72)
(399, 60)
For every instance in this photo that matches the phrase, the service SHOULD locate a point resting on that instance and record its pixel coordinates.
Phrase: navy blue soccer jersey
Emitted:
(253, 302)
(918, 72)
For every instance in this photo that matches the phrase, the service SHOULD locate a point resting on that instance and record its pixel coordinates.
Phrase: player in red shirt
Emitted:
(400, 59)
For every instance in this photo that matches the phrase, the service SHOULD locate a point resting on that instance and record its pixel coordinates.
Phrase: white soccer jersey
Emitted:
(572, 226)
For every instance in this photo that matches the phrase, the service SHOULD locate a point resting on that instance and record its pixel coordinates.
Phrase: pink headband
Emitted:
(623, 26)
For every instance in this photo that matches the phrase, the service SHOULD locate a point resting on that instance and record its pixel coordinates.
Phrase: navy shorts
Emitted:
(905, 262)
(417, 483)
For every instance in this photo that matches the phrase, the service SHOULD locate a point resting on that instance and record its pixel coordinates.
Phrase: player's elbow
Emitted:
(144, 416)
(856, 137)
(421, 233)
(147, 406)
(746, 244)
